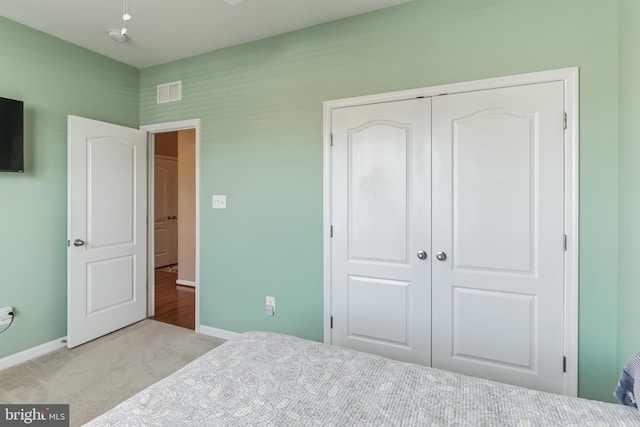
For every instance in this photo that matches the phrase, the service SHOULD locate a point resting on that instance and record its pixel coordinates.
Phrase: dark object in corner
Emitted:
(11, 135)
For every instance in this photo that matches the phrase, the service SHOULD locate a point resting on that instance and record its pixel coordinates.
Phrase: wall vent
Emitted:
(170, 92)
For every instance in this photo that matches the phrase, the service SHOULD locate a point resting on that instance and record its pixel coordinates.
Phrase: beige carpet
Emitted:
(96, 376)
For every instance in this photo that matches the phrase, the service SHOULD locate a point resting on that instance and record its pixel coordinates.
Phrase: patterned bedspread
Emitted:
(268, 379)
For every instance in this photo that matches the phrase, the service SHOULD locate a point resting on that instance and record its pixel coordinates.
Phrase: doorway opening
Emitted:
(173, 272)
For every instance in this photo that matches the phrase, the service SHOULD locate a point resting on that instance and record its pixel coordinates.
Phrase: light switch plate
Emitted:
(219, 202)
(270, 306)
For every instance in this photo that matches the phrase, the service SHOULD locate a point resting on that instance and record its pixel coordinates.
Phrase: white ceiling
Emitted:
(161, 31)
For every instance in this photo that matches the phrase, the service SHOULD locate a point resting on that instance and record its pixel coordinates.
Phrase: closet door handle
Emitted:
(422, 255)
(441, 256)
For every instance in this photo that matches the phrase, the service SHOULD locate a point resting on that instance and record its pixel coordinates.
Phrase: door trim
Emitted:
(151, 131)
(570, 78)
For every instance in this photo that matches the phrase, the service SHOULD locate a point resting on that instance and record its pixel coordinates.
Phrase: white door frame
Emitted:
(570, 77)
(152, 130)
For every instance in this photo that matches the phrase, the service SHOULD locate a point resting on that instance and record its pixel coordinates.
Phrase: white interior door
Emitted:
(498, 221)
(107, 211)
(381, 207)
(165, 211)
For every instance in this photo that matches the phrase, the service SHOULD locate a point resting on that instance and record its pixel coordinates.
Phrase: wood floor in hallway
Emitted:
(174, 304)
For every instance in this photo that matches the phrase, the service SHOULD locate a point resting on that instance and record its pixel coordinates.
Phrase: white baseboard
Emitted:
(186, 283)
(31, 353)
(218, 333)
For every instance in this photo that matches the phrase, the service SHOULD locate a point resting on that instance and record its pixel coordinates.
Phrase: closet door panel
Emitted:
(492, 188)
(381, 217)
(378, 181)
(498, 220)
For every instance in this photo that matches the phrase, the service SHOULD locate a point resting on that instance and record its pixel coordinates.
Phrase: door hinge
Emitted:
(564, 364)
(564, 243)
(331, 231)
(68, 243)
(331, 138)
(564, 121)
(331, 322)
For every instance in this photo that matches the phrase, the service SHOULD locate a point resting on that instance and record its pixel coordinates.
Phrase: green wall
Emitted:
(261, 111)
(54, 79)
(629, 182)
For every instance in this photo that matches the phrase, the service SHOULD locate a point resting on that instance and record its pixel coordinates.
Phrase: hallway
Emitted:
(174, 304)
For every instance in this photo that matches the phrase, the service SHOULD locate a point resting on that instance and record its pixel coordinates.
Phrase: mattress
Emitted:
(269, 379)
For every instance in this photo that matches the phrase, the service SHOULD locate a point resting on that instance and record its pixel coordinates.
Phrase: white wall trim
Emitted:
(218, 333)
(151, 280)
(151, 130)
(572, 226)
(171, 126)
(570, 78)
(326, 215)
(187, 283)
(32, 353)
(451, 88)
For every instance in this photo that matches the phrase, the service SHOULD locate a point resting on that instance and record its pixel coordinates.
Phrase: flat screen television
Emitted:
(11, 135)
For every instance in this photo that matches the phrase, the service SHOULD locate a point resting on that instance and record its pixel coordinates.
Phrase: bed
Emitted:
(269, 379)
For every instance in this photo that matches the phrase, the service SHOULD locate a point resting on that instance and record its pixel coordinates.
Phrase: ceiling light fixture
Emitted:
(117, 35)
(126, 17)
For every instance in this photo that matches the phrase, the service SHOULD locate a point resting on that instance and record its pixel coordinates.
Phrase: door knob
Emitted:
(441, 256)
(422, 255)
(78, 242)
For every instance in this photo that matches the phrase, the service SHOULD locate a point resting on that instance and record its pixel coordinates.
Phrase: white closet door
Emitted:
(498, 219)
(381, 290)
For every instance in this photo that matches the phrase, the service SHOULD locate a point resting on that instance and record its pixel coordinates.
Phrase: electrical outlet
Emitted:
(270, 306)
(219, 202)
(5, 317)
